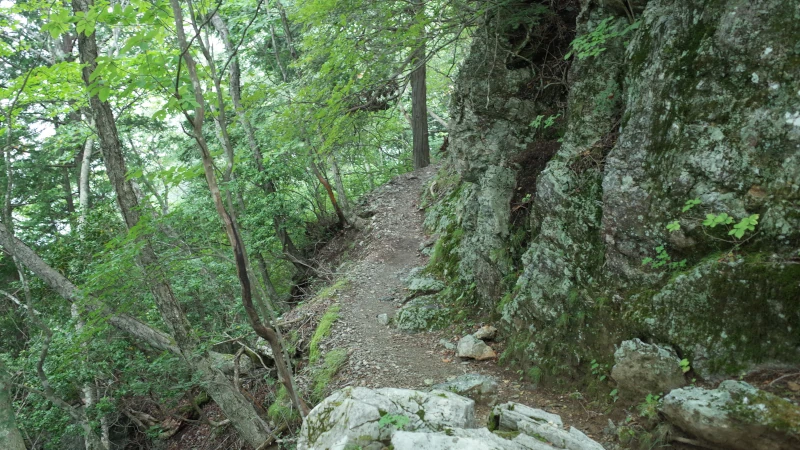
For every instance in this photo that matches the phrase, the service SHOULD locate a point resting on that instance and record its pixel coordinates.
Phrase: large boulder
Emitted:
(481, 388)
(367, 418)
(411, 420)
(736, 416)
(643, 369)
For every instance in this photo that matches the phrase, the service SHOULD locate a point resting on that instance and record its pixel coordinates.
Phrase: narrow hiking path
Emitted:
(382, 356)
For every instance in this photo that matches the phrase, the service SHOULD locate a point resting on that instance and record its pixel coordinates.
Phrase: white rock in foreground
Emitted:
(351, 417)
(413, 420)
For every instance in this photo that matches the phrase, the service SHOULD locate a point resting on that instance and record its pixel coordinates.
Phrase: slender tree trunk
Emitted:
(65, 182)
(331, 197)
(83, 186)
(337, 182)
(287, 31)
(267, 282)
(438, 119)
(277, 53)
(10, 436)
(290, 250)
(419, 96)
(231, 228)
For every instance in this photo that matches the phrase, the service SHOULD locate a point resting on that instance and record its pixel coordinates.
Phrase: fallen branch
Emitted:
(693, 442)
(788, 375)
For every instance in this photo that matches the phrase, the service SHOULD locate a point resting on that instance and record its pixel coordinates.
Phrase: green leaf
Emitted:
(673, 226)
(691, 204)
(745, 225)
(104, 93)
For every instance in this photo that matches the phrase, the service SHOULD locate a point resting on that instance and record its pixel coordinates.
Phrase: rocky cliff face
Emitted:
(561, 181)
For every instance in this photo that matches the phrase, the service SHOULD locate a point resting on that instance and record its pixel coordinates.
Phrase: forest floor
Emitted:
(379, 257)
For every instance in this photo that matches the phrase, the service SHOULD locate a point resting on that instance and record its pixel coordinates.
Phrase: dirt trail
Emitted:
(382, 356)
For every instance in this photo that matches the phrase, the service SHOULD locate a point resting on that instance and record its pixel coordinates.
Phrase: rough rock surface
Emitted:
(439, 420)
(643, 369)
(535, 423)
(471, 347)
(352, 416)
(421, 314)
(698, 102)
(425, 284)
(736, 415)
(481, 388)
(486, 333)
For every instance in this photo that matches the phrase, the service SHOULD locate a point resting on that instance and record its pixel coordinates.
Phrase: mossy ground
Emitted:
(322, 331)
(324, 373)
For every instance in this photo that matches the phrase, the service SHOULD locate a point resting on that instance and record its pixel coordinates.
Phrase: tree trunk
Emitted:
(10, 437)
(287, 31)
(65, 182)
(337, 182)
(331, 197)
(83, 186)
(234, 73)
(233, 404)
(419, 95)
(231, 228)
(272, 294)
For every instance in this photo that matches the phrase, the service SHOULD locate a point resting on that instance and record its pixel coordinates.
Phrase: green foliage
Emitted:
(593, 43)
(396, 421)
(541, 122)
(281, 409)
(685, 366)
(334, 360)
(598, 370)
(691, 204)
(711, 221)
(663, 259)
(744, 225)
(322, 331)
(649, 408)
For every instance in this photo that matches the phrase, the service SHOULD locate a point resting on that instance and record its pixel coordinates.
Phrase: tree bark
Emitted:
(10, 436)
(327, 186)
(68, 198)
(83, 183)
(339, 184)
(419, 95)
